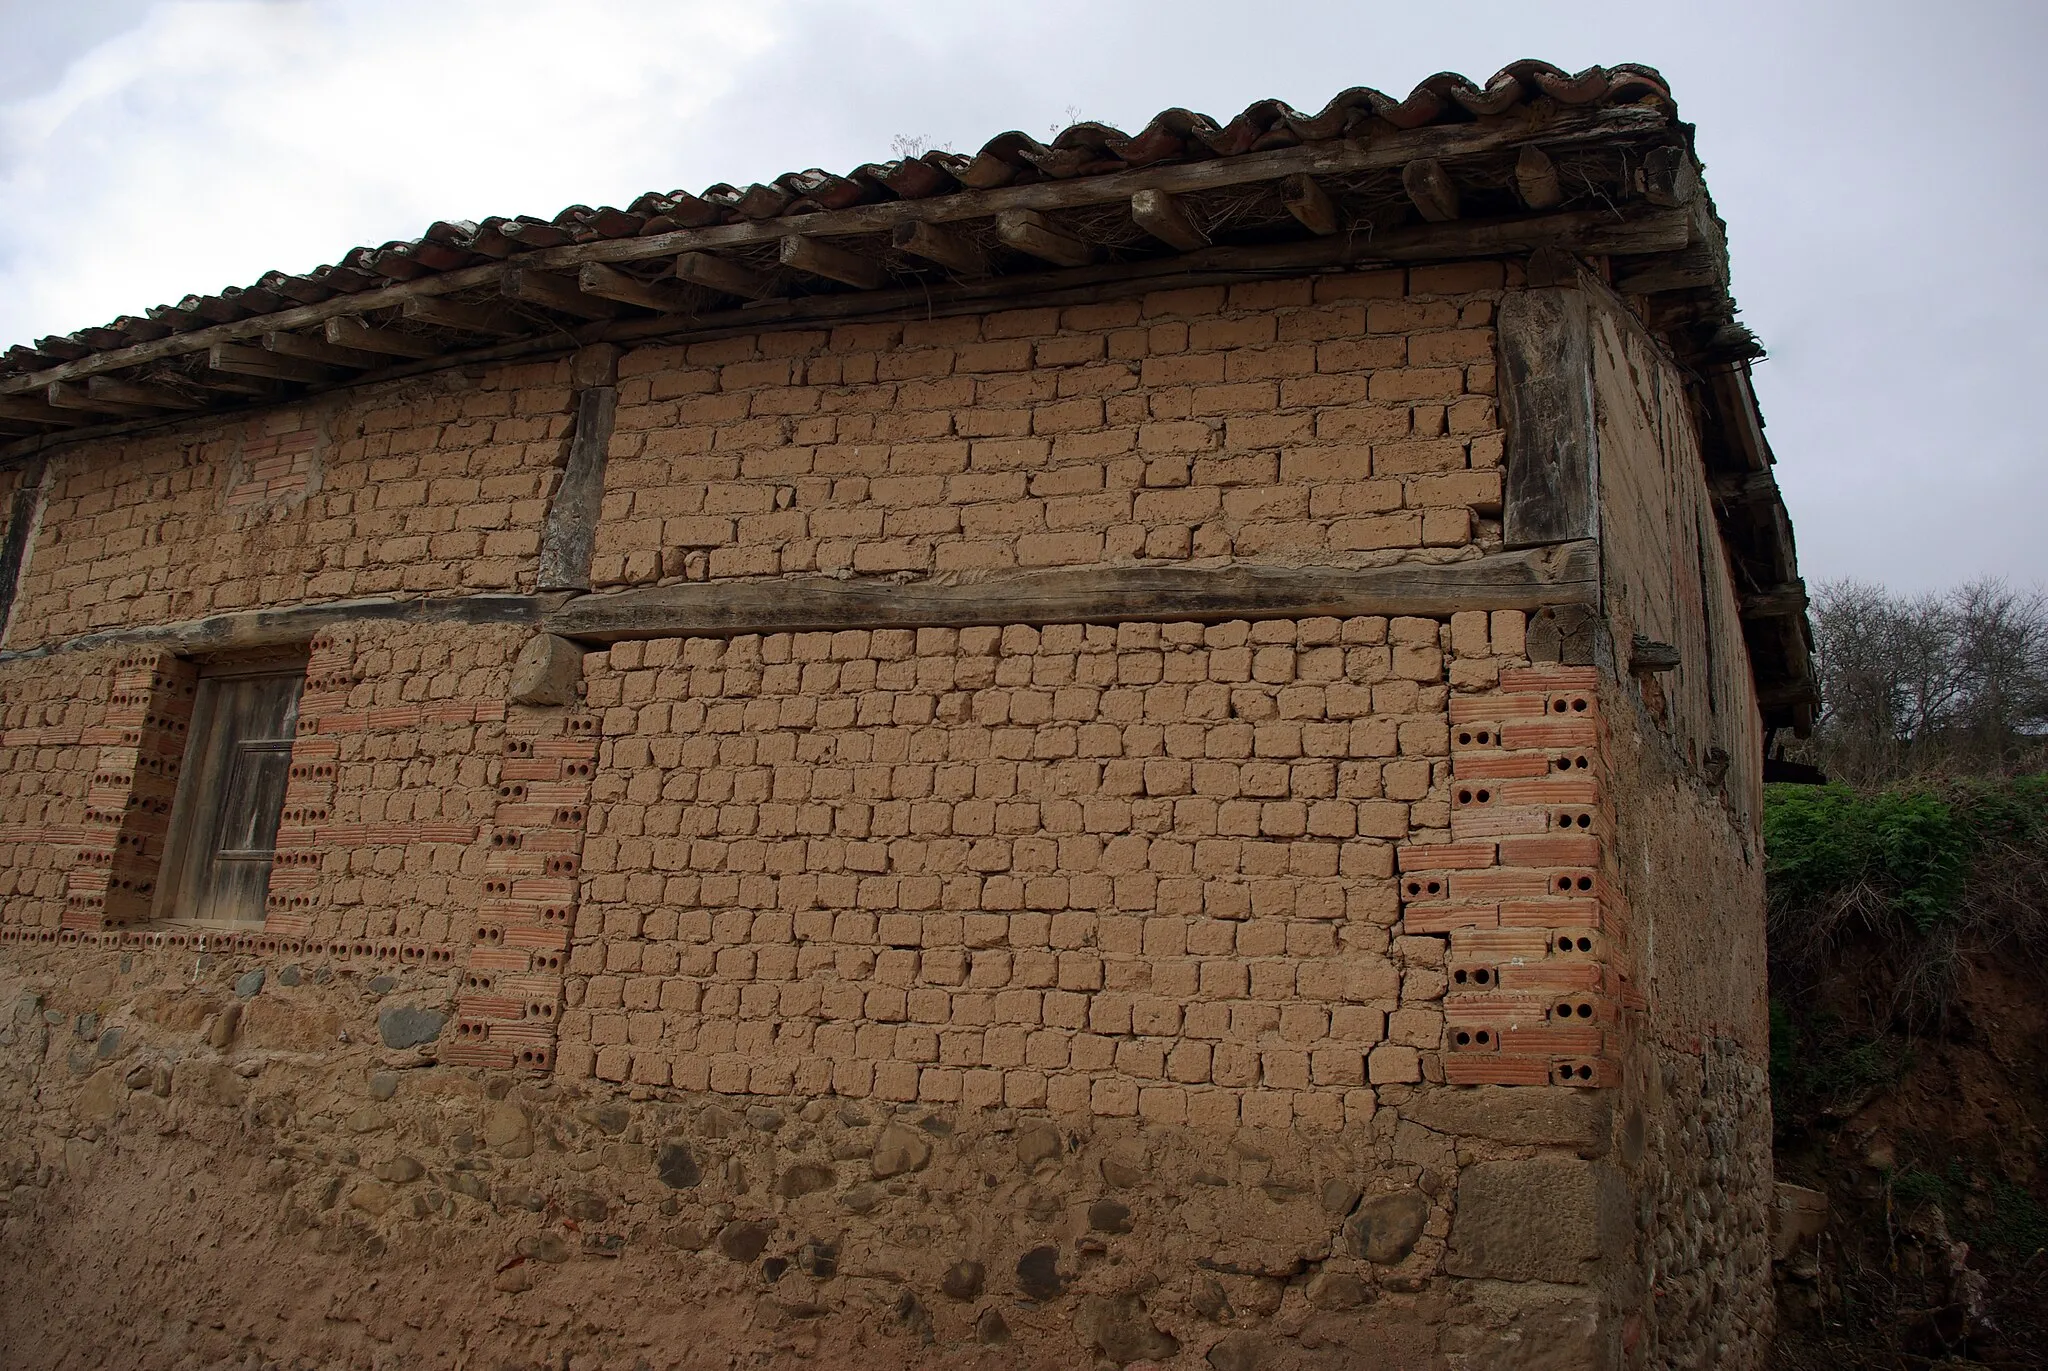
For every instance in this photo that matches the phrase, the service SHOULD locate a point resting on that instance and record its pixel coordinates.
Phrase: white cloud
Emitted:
(218, 140)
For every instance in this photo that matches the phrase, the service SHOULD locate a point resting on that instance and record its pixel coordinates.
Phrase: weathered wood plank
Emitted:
(1031, 232)
(1334, 158)
(1536, 179)
(727, 278)
(571, 532)
(833, 263)
(595, 278)
(358, 336)
(461, 317)
(1310, 205)
(1513, 580)
(949, 250)
(551, 290)
(261, 628)
(1165, 217)
(1430, 189)
(1552, 490)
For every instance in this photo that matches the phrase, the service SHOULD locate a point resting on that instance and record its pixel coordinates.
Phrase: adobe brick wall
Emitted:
(1304, 420)
(1295, 989)
(419, 487)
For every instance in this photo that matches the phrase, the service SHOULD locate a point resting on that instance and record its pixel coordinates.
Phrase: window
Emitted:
(231, 793)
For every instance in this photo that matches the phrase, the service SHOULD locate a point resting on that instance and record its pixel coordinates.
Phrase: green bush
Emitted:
(1909, 849)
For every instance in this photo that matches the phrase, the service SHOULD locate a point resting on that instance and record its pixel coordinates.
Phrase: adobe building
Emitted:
(1143, 749)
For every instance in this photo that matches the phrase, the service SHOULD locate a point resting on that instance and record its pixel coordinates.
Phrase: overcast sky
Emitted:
(1880, 165)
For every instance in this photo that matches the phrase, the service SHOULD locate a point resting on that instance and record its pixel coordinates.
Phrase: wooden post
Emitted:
(1552, 490)
(571, 533)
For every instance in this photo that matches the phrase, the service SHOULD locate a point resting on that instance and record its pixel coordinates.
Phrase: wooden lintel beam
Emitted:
(609, 283)
(36, 410)
(1430, 189)
(72, 395)
(1165, 217)
(1335, 157)
(1536, 179)
(1030, 232)
(1566, 574)
(321, 351)
(727, 278)
(1310, 204)
(935, 244)
(1779, 602)
(271, 366)
(834, 263)
(362, 337)
(459, 316)
(142, 393)
(550, 290)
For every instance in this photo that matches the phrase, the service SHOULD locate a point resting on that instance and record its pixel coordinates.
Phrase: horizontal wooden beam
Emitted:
(1165, 217)
(271, 366)
(1030, 232)
(460, 316)
(1310, 205)
(283, 627)
(362, 337)
(1431, 189)
(833, 263)
(1567, 574)
(727, 278)
(320, 350)
(609, 283)
(934, 244)
(73, 396)
(1336, 157)
(551, 290)
(34, 409)
(1779, 602)
(1536, 179)
(141, 393)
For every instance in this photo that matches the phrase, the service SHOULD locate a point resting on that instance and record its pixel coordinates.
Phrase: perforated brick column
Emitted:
(295, 877)
(112, 882)
(1527, 890)
(511, 1000)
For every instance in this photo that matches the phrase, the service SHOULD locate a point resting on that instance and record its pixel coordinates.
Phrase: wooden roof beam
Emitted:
(458, 316)
(934, 244)
(1430, 189)
(727, 278)
(24, 409)
(815, 258)
(321, 351)
(551, 290)
(1778, 602)
(609, 283)
(1310, 204)
(361, 337)
(270, 366)
(1536, 179)
(1165, 216)
(1032, 233)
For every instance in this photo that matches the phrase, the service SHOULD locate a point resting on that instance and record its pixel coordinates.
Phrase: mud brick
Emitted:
(1562, 849)
(1590, 1072)
(1557, 913)
(1499, 945)
(1480, 1068)
(1443, 856)
(1442, 918)
(1498, 1010)
(1553, 976)
(1495, 707)
(1557, 790)
(1498, 884)
(1491, 821)
(496, 1007)
(1557, 1041)
(1550, 733)
(1475, 766)
(544, 939)
(544, 889)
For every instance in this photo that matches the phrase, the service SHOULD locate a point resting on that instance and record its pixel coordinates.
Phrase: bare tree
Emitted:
(1947, 684)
